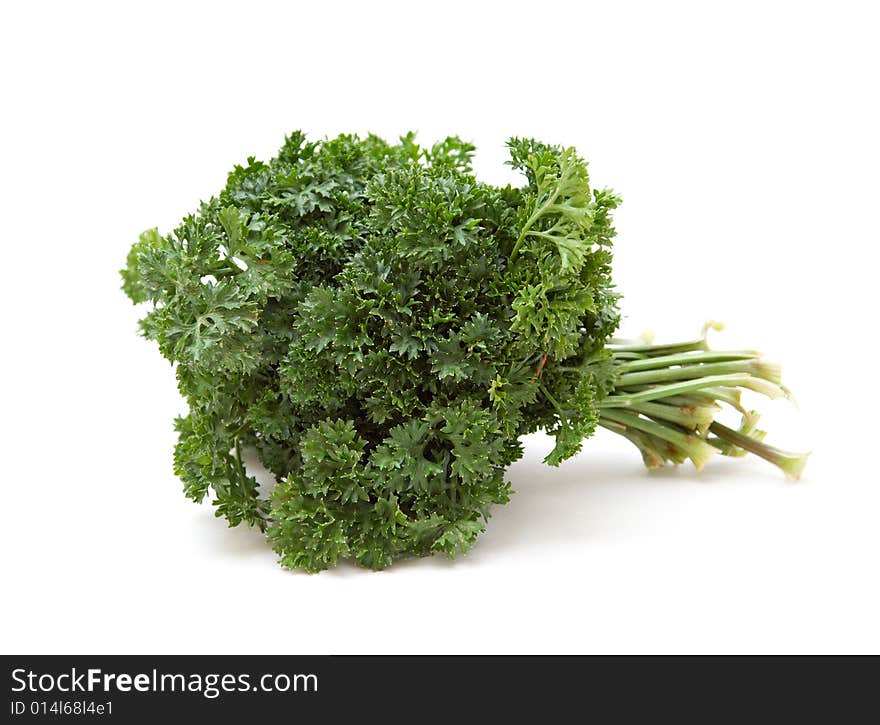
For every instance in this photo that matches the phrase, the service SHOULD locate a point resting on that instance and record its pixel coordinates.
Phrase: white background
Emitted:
(744, 140)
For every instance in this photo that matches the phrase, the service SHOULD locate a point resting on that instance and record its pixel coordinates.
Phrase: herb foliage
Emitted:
(382, 328)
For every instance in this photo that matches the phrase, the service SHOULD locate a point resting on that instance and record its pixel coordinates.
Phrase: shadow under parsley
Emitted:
(597, 497)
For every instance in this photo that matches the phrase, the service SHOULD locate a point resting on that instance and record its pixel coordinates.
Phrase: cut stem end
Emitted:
(666, 397)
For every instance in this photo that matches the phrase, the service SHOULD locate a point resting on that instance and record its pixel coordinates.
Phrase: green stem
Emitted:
(791, 463)
(626, 399)
(697, 449)
(688, 372)
(647, 445)
(686, 358)
(552, 400)
(690, 417)
(665, 398)
(531, 220)
(695, 400)
(625, 346)
(731, 396)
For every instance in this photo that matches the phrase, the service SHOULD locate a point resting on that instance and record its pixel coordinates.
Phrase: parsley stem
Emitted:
(756, 368)
(552, 400)
(731, 396)
(792, 464)
(665, 398)
(623, 346)
(686, 386)
(692, 418)
(647, 445)
(687, 358)
(696, 448)
(524, 232)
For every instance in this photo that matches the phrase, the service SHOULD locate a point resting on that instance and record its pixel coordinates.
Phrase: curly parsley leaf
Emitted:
(380, 328)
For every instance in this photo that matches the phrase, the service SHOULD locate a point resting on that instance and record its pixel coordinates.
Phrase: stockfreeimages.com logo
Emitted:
(210, 685)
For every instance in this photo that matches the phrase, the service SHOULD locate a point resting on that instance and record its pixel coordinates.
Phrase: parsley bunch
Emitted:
(381, 328)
